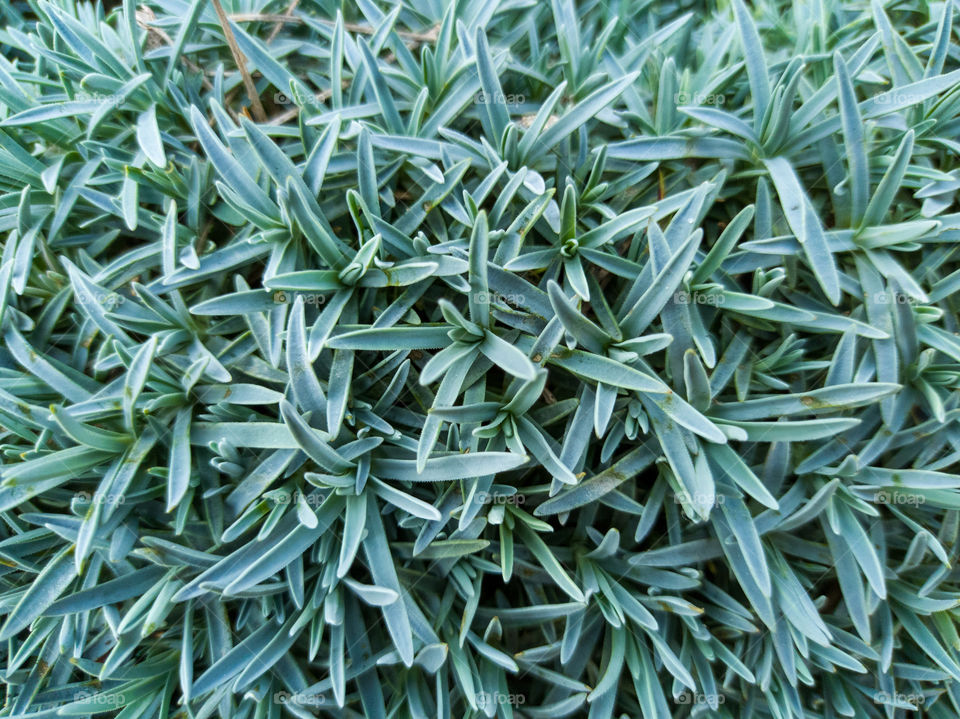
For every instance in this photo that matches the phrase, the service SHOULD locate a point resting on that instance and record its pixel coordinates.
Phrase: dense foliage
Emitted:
(479, 357)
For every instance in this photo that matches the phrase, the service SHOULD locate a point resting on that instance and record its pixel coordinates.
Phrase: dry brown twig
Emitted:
(156, 37)
(415, 37)
(279, 25)
(259, 113)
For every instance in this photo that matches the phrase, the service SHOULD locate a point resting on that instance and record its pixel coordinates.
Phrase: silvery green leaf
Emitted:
(384, 575)
(853, 136)
(660, 291)
(148, 135)
(179, 471)
(834, 398)
(755, 61)
(890, 183)
(354, 521)
(549, 562)
(797, 431)
(604, 369)
(231, 171)
(804, 222)
(283, 551)
(450, 467)
(744, 530)
(733, 467)
(313, 442)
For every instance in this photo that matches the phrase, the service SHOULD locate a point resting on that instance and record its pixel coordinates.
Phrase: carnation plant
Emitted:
(479, 358)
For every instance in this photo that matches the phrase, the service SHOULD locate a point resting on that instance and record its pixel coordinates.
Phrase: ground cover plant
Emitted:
(462, 358)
